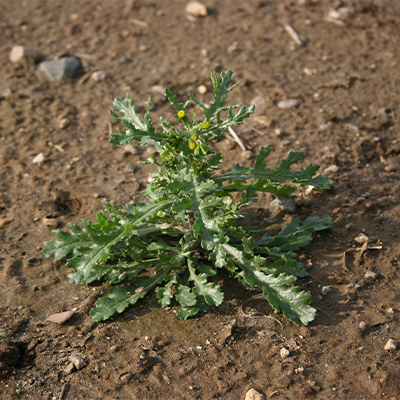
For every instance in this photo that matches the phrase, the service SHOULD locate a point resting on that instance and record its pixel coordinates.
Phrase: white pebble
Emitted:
(38, 159)
(325, 290)
(285, 353)
(362, 326)
(202, 89)
(258, 101)
(334, 14)
(362, 238)
(98, 76)
(52, 222)
(390, 345)
(371, 274)
(196, 9)
(291, 103)
(324, 127)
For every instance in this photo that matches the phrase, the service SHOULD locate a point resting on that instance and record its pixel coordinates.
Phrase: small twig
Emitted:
(236, 139)
(140, 23)
(64, 388)
(293, 34)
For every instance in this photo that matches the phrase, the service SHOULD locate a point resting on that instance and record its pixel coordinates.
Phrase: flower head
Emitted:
(195, 138)
(206, 125)
(192, 145)
(181, 114)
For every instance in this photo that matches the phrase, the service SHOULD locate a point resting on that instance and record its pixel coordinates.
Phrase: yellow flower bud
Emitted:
(195, 138)
(192, 145)
(181, 114)
(206, 125)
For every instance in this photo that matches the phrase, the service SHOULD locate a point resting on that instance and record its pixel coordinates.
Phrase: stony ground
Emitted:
(56, 163)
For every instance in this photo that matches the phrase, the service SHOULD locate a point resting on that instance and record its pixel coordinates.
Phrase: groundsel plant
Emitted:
(176, 242)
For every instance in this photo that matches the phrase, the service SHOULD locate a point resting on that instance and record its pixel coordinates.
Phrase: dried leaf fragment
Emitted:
(4, 221)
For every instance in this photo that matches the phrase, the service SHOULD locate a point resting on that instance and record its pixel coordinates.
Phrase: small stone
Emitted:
(38, 159)
(78, 361)
(62, 317)
(202, 89)
(64, 123)
(390, 310)
(124, 60)
(130, 168)
(291, 103)
(113, 349)
(332, 169)
(361, 238)
(324, 127)
(285, 353)
(390, 345)
(258, 101)
(17, 53)
(325, 290)
(59, 69)
(129, 149)
(52, 222)
(69, 369)
(363, 326)
(254, 395)
(371, 274)
(158, 89)
(196, 9)
(98, 76)
(125, 378)
(263, 120)
(283, 204)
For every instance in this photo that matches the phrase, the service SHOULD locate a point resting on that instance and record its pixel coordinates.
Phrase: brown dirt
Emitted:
(352, 85)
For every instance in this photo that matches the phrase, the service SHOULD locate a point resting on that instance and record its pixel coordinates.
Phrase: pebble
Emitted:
(17, 53)
(62, 317)
(284, 204)
(38, 159)
(124, 60)
(291, 103)
(252, 394)
(390, 345)
(263, 120)
(69, 369)
(130, 168)
(361, 238)
(371, 274)
(285, 353)
(258, 101)
(332, 169)
(158, 89)
(196, 9)
(325, 290)
(98, 76)
(59, 69)
(363, 326)
(52, 222)
(78, 361)
(324, 127)
(64, 123)
(126, 378)
(202, 89)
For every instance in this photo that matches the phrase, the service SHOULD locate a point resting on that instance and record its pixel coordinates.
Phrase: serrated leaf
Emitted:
(138, 130)
(289, 300)
(208, 290)
(195, 201)
(120, 298)
(265, 179)
(165, 294)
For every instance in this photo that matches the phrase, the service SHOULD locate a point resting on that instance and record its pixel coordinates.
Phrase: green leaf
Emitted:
(209, 290)
(138, 130)
(120, 298)
(265, 179)
(283, 298)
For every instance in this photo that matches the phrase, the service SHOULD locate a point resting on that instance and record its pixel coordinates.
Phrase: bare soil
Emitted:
(346, 75)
